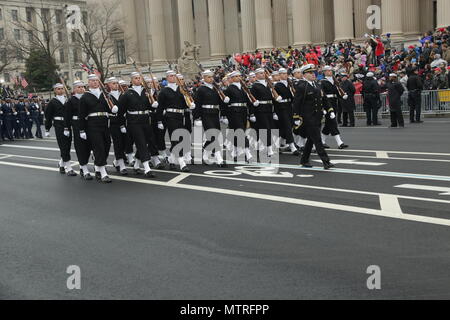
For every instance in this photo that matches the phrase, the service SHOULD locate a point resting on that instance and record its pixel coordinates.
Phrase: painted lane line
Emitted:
(444, 191)
(265, 197)
(5, 157)
(282, 184)
(389, 203)
(382, 155)
(178, 179)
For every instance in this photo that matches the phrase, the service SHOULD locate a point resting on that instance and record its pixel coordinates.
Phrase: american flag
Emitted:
(24, 83)
(90, 69)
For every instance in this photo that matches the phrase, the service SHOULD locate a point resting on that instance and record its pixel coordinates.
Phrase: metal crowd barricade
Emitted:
(433, 102)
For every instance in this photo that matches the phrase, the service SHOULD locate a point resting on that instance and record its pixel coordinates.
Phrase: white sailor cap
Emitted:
(207, 73)
(370, 75)
(297, 70)
(58, 85)
(327, 68)
(78, 83)
(308, 68)
(147, 79)
(359, 76)
(252, 75)
(282, 71)
(135, 74)
(93, 77)
(235, 74)
(155, 78)
(112, 79)
(393, 75)
(180, 76)
(260, 70)
(171, 73)
(275, 73)
(123, 83)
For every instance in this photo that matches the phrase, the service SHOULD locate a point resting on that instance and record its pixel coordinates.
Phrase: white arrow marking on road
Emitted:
(257, 171)
(445, 191)
(351, 161)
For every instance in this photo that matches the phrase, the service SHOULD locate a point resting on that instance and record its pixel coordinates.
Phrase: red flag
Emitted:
(24, 83)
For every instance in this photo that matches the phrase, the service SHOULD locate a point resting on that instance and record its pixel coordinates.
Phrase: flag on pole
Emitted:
(24, 83)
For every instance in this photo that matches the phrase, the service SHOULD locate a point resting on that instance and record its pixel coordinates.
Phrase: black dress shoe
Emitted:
(71, 173)
(343, 146)
(149, 175)
(172, 166)
(98, 176)
(117, 168)
(302, 149)
(124, 172)
(328, 165)
(160, 166)
(222, 165)
(326, 146)
(296, 153)
(137, 171)
(185, 169)
(106, 179)
(419, 121)
(62, 170)
(306, 165)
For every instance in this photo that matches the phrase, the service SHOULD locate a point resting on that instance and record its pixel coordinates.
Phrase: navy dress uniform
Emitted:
(54, 117)
(395, 91)
(8, 119)
(35, 111)
(371, 95)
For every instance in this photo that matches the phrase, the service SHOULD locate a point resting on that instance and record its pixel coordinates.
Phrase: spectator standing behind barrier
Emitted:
(415, 87)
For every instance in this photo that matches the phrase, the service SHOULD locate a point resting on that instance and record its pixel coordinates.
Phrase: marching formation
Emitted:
(135, 118)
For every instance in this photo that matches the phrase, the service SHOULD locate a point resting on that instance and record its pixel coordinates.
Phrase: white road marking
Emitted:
(266, 197)
(5, 157)
(382, 155)
(357, 162)
(390, 203)
(178, 179)
(445, 191)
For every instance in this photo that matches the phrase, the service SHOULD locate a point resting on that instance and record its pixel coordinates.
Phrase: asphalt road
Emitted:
(236, 233)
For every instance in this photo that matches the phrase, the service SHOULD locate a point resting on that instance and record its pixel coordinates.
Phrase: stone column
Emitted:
(411, 17)
(128, 25)
(248, 21)
(318, 21)
(443, 13)
(157, 30)
(301, 17)
(202, 28)
(361, 17)
(280, 22)
(426, 15)
(391, 12)
(264, 30)
(186, 22)
(232, 32)
(343, 20)
(216, 28)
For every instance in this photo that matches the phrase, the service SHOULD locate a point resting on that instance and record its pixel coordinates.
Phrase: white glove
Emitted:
(279, 98)
(155, 105)
(47, 134)
(332, 115)
(15, 113)
(67, 133)
(160, 126)
(345, 97)
(198, 123)
(224, 120)
(115, 109)
(256, 103)
(226, 100)
(297, 123)
(324, 112)
(253, 119)
(42, 112)
(275, 117)
(28, 113)
(123, 130)
(83, 135)
(192, 106)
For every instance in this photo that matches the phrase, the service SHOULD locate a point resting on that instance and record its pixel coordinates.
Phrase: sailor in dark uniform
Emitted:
(310, 102)
(54, 116)
(72, 123)
(172, 109)
(35, 110)
(209, 107)
(94, 125)
(330, 89)
(283, 110)
(8, 119)
(129, 151)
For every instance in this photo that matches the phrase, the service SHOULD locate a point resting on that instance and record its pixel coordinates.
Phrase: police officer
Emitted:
(172, 108)
(94, 125)
(348, 105)
(395, 92)
(209, 107)
(54, 116)
(72, 123)
(8, 119)
(371, 95)
(415, 87)
(35, 110)
(310, 102)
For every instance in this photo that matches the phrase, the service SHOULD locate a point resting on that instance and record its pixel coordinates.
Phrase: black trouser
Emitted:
(100, 139)
(331, 126)
(349, 116)
(175, 122)
(314, 138)
(129, 142)
(339, 113)
(415, 105)
(142, 135)
(210, 120)
(16, 127)
(82, 147)
(285, 124)
(35, 120)
(160, 135)
(8, 127)
(371, 109)
(264, 121)
(64, 143)
(119, 141)
(397, 117)
(237, 118)
(28, 127)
